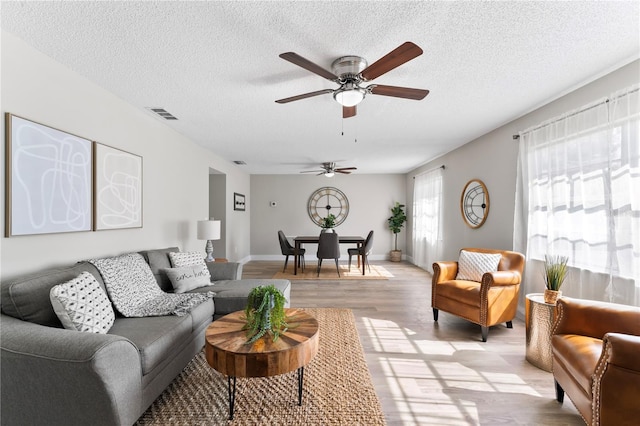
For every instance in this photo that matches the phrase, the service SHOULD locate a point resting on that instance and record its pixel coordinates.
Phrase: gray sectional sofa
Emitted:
(54, 376)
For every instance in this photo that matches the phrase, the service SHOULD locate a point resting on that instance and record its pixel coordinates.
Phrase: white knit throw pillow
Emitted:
(473, 265)
(82, 305)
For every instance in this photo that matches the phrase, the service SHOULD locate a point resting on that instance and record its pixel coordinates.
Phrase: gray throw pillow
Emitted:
(188, 278)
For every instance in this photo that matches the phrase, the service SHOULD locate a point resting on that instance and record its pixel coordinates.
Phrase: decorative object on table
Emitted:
(555, 272)
(328, 200)
(396, 222)
(239, 202)
(328, 223)
(350, 71)
(265, 313)
(48, 179)
(330, 169)
(474, 203)
(209, 230)
(118, 189)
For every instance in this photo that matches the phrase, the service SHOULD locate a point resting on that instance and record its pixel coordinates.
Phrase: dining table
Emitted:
(314, 239)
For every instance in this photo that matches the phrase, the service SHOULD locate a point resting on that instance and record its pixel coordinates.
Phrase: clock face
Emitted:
(474, 203)
(326, 201)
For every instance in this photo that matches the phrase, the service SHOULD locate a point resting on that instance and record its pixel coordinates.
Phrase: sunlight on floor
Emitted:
(427, 390)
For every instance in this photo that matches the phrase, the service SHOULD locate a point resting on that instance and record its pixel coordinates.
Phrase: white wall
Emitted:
(176, 170)
(492, 159)
(370, 199)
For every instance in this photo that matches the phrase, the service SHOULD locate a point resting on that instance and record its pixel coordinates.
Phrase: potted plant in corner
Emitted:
(396, 222)
(328, 223)
(555, 271)
(265, 313)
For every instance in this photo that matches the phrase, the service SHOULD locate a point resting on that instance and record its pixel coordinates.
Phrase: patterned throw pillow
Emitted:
(82, 305)
(188, 277)
(472, 265)
(180, 259)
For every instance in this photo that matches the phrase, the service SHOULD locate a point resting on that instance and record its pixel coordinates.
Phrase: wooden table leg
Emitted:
(296, 250)
(300, 382)
(232, 395)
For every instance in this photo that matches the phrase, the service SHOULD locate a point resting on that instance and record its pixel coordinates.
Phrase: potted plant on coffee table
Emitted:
(555, 272)
(396, 222)
(265, 313)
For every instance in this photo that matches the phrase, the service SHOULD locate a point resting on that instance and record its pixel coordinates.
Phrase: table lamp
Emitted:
(209, 230)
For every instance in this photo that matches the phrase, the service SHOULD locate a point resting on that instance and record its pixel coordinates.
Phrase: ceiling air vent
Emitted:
(162, 113)
(240, 162)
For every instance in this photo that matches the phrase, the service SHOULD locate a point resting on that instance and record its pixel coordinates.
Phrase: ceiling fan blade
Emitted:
(342, 171)
(298, 60)
(404, 53)
(304, 96)
(399, 92)
(346, 168)
(348, 111)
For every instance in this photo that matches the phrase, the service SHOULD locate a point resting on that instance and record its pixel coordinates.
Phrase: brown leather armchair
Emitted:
(596, 360)
(487, 303)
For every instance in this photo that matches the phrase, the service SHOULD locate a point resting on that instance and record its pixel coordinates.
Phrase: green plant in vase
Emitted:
(328, 222)
(555, 272)
(396, 222)
(265, 313)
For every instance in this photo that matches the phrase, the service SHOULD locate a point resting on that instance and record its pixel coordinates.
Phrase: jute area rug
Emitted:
(328, 272)
(337, 388)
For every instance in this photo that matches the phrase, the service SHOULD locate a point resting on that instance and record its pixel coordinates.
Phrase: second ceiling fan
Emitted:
(351, 71)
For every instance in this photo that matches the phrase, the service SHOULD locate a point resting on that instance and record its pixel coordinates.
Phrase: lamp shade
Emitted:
(208, 229)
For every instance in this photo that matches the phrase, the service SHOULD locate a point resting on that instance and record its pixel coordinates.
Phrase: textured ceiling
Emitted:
(215, 66)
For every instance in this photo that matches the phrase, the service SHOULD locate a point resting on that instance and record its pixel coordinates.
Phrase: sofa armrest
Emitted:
(56, 376)
(225, 270)
(595, 319)
(444, 271)
(616, 381)
(501, 278)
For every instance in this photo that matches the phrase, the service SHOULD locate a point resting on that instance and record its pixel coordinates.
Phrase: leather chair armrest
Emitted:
(616, 381)
(501, 278)
(595, 319)
(621, 350)
(444, 271)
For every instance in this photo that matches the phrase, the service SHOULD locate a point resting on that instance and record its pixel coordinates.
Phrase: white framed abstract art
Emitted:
(48, 179)
(118, 188)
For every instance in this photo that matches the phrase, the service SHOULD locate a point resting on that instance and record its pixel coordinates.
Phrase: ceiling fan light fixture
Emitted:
(349, 95)
(329, 174)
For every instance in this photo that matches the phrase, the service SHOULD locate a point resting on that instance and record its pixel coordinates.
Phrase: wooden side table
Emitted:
(226, 349)
(539, 318)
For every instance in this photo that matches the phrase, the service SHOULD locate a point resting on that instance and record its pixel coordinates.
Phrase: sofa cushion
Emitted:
(472, 265)
(462, 291)
(27, 297)
(82, 305)
(156, 338)
(158, 260)
(579, 355)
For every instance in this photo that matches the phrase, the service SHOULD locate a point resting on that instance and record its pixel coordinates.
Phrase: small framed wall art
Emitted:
(118, 189)
(238, 202)
(48, 179)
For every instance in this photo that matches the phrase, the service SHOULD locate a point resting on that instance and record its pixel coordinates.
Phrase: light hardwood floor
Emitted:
(428, 373)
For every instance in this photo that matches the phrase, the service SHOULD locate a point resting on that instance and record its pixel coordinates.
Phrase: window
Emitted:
(580, 181)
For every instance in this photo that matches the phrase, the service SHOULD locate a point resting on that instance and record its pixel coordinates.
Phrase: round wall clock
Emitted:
(326, 201)
(474, 203)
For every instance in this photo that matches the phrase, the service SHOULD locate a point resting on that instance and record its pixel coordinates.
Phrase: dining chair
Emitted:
(288, 250)
(364, 251)
(328, 248)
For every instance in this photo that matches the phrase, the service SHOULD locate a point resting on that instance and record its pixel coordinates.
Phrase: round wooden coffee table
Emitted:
(227, 351)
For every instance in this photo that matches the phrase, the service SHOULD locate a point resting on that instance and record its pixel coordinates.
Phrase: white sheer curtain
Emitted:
(427, 219)
(578, 195)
